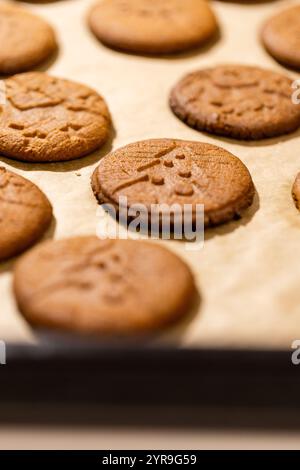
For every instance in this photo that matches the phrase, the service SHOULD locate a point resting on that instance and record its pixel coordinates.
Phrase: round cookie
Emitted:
(165, 171)
(48, 119)
(153, 26)
(281, 36)
(25, 214)
(236, 101)
(26, 39)
(296, 191)
(93, 286)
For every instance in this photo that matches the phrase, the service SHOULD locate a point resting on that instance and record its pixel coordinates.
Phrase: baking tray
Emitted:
(74, 373)
(239, 338)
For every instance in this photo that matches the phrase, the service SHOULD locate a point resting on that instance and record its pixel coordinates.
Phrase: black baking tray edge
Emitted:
(88, 372)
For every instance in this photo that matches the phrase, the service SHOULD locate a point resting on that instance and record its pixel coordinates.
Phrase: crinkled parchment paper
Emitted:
(248, 272)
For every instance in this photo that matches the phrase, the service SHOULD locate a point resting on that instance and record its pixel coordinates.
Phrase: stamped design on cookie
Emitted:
(237, 101)
(167, 172)
(107, 262)
(172, 167)
(178, 162)
(94, 286)
(50, 119)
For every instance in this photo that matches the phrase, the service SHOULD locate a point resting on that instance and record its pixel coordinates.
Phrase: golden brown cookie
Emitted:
(236, 101)
(48, 119)
(296, 191)
(281, 36)
(165, 171)
(153, 26)
(26, 40)
(25, 214)
(93, 286)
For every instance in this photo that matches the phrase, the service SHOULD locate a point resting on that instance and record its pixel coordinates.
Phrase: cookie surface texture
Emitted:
(27, 40)
(153, 26)
(166, 171)
(281, 36)
(92, 286)
(48, 119)
(25, 214)
(237, 101)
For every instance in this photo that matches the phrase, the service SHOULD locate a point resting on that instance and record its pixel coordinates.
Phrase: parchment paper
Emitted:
(248, 272)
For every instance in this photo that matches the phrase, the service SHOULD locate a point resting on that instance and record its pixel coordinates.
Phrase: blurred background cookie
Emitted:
(26, 40)
(153, 26)
(281, 36)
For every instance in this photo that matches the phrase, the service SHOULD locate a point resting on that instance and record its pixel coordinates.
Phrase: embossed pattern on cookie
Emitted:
(165, 171)
(236, 101)
(47, 119)
(93, 286)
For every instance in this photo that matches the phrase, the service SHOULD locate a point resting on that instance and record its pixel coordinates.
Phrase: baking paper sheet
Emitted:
(248, 272)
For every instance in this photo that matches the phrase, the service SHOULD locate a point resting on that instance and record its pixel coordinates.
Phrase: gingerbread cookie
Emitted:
(25, 214)
(281, 36)
(153, 26)
(48, 119)
(236, 101)
(93, 286)
(26, 40)
(165, 171)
